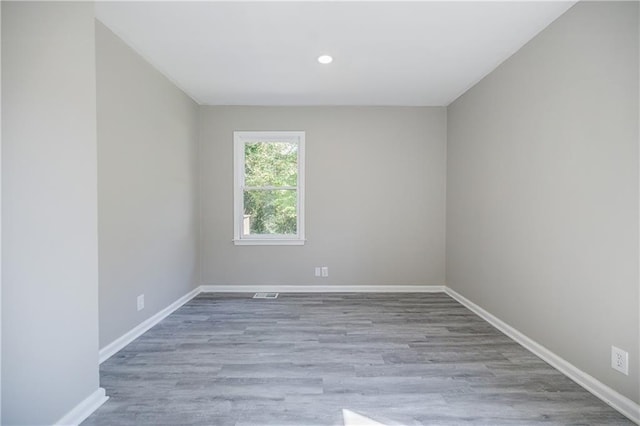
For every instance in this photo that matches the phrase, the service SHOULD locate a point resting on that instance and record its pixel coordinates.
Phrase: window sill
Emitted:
(269, 242)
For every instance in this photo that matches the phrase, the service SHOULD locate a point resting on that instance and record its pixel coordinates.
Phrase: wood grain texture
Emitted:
(398, 359)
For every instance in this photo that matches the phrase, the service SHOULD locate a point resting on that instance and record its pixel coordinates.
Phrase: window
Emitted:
(268, 188)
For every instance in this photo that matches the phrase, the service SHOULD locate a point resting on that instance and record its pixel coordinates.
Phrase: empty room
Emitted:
(320, 213)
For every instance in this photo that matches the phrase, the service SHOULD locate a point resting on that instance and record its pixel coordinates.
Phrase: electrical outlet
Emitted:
(317, 271)
(141, 302)
(325, 271)
(620, 360)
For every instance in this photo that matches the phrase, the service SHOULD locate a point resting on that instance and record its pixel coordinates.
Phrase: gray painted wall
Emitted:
(375, 197)
(147, 188)
(49, 213)
(542, 201)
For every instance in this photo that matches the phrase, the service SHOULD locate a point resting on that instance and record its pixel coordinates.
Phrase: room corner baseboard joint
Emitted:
(83, 410)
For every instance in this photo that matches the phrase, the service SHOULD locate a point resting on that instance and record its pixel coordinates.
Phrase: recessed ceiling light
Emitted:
(325, 59)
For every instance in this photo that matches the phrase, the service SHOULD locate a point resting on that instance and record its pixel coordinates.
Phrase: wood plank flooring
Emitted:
(301, 359)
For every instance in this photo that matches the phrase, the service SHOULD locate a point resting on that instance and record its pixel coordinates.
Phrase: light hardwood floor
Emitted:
(301, 359)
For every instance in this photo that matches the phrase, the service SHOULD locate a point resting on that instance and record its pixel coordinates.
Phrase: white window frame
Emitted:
(239, 141)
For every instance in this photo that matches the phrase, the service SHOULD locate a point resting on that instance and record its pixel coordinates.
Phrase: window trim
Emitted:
(240, 138)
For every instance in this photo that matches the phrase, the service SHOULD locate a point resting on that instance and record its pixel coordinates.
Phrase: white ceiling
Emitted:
(385, 53)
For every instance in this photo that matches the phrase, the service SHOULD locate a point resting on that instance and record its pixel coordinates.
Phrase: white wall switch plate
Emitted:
(325, 271)
(317, 271)
(620, 360)
(141, 302)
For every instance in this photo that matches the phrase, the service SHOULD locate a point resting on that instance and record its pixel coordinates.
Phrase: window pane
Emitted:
(271, 164)
(270, 212)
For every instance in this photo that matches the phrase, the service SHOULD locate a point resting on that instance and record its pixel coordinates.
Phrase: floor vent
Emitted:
(265, 296)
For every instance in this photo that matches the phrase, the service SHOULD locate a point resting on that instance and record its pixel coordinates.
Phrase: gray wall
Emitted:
(542, 181)
(49, 213)
(147, 187)
(375, 197)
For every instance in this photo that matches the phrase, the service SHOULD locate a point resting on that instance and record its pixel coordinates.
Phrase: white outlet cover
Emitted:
(317, 271)
(620, 360)
(140, 302)
(325, 271)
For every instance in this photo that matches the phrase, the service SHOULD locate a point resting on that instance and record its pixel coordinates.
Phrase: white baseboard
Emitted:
(323, 288)
(613, 398)
(113, 347)
(83, 410)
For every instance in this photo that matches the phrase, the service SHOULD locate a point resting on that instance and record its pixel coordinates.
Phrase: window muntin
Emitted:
(269, 187)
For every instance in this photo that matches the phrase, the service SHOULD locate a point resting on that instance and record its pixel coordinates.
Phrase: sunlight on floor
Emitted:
(354, 419)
